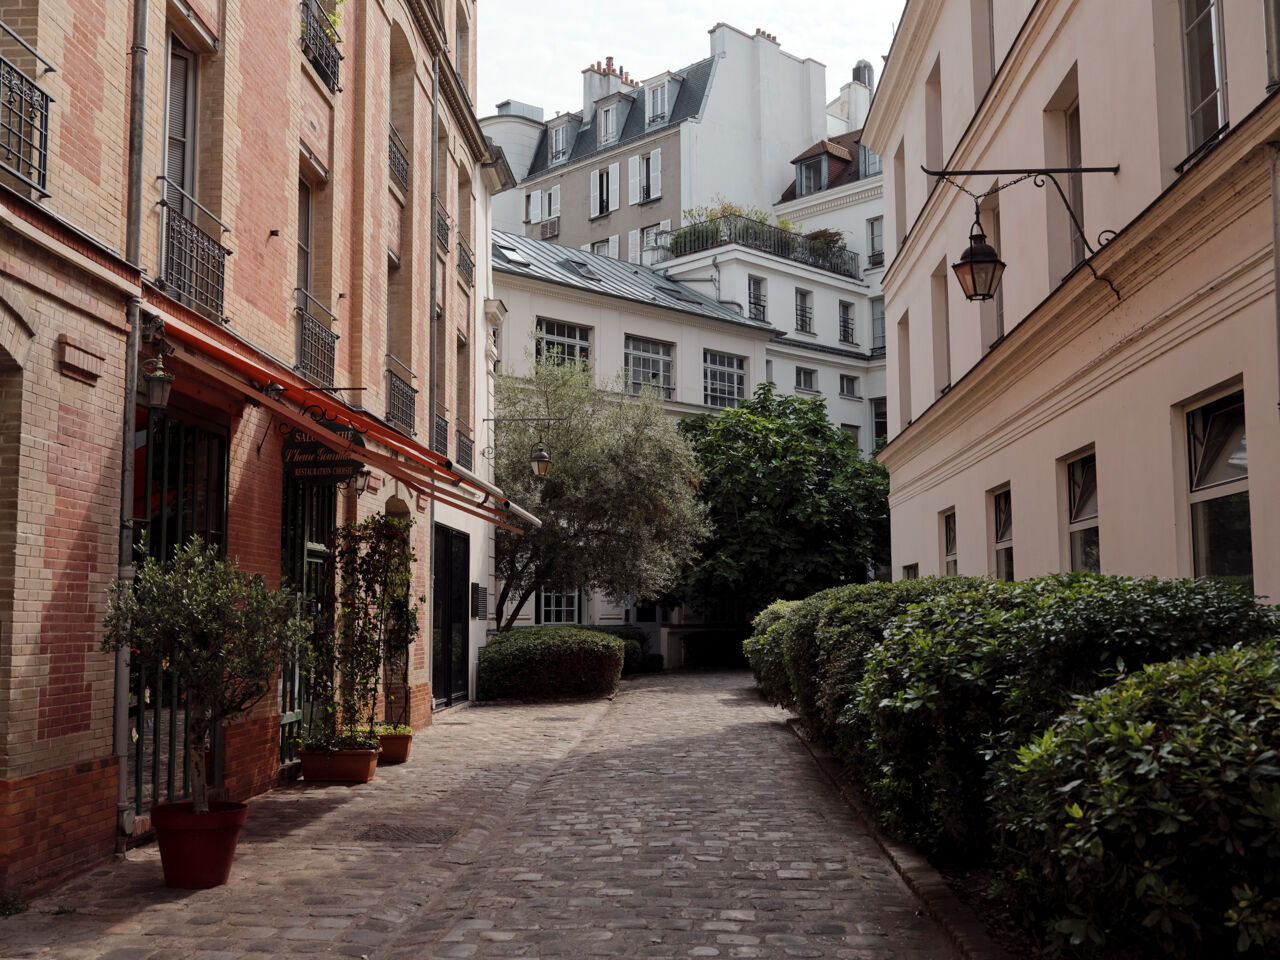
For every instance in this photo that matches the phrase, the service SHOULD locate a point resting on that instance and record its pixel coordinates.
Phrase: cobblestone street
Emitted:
(682, 819)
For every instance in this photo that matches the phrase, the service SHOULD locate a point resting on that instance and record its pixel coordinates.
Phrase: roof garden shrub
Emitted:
(1146, 820)
(549, 663)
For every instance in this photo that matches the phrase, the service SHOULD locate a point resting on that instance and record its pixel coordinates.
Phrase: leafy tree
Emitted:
(796, 507)
(723, 207)
(619, 511)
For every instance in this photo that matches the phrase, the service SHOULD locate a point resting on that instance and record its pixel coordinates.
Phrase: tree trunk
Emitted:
(197, 742)
(515, 610)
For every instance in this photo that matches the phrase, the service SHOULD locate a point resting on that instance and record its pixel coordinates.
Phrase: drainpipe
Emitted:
(133, 243)
(1275, 245)
(1271, 27)
(435, 320)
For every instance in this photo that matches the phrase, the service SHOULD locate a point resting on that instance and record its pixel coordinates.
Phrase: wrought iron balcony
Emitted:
(442, 225)
(440, 436)
(804, 318)
(320, 43)
(195, 265)
(24, 122)
(875, 258)
(317, 343)
(757, 304)
(399, 159)
(466, 262)
(401, 402)
(466, 446)
(721, 231)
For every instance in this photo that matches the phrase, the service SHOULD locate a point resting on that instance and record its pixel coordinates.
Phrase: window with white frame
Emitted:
(848, 326)
(950, 561)
(850, 386)
(561, 343)
(869, 163)
(875, 241)
(811, 176)
(854, 431)
(648, 365)
(1082, 513)
(756, 301)
(600, 247)
(880, 418)
(558, 607)
(658, 102)
(806, 379)
(877, 325)
(650, 237)
(601, 192)
(647, 183)
(1222, 544)
(724, 379)
(608, 124)
(556, 143)
(1002, 532)
(804, 311)
(1204, 68)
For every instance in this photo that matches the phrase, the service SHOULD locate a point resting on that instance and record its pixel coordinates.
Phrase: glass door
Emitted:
(450, 647)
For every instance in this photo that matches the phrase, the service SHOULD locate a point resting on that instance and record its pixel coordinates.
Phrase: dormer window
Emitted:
(811, 176)
(557, 143)
(608, 124)
(658, 103)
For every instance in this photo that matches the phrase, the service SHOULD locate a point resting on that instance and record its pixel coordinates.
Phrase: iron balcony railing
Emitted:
(24, 121)
(720, 231)
(466, 446)
(804, 318)
(442, 225)
(440, 435)
(402, 401)
(875, 258)
(195, 264)
(756, 306)
(466, 262)
(317, 343)
(320, 43)
(399, 159)
(848, 330)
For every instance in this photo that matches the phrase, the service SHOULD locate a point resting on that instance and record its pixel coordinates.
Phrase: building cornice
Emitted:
(615, 152)
(783, 265)
(906, 53)
(836, 198)
(451, 86)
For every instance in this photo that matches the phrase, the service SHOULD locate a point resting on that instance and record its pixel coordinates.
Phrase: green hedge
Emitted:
(1147, 820)
(763, 650)
(636, 643)
(549, 663)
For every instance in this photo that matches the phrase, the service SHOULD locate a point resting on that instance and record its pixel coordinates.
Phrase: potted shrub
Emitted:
(224, 635)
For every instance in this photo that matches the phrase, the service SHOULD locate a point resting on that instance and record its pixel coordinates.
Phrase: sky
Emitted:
(535, 51)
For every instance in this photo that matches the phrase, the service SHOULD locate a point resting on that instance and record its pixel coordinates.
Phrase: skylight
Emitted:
(512, 254)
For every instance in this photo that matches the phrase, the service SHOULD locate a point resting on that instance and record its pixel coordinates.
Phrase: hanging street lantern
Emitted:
(540, 461)
(979, 268)
(159, 383)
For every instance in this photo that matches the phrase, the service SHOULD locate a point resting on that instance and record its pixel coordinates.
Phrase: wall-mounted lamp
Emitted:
(361, 480)
(159, 383)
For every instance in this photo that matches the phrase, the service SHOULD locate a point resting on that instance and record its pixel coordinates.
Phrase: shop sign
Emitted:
(310, 461)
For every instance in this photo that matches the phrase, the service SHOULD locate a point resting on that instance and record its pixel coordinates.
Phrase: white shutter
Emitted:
(655, 173)
(179, 131)
(535, 206)
(586, 247)
(633, 246)
(594, 209)
(613, 186)
(633, 180)
(613, 246)
(555, 200)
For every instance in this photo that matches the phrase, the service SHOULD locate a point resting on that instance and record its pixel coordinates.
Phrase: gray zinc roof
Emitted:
(570, 267)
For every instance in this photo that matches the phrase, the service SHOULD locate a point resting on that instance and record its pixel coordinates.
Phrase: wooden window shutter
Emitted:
(555, 200)
(613, 246)
(595, 194)
(633, 246)
(535, 206)
(655, 173)
(613, 186)
(633, 180)
(178, 132)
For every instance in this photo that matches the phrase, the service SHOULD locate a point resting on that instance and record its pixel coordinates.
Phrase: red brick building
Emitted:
(292, 226)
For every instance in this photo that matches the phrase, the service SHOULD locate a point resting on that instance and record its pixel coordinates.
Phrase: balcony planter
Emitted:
(196, 849)
(338, 766)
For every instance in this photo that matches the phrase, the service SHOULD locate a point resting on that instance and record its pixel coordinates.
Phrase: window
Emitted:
(848, 329)
(556, 136)
(600, 247)
(604, 190)
(561, 343)
(1082, 513)
(756, 300)
(811, 176)
(875, 242)
(853, 430)
(804, 311)
(724, 381)
(1075, 182)
(877, 326)
(911, 571)
(850, 386)
(869, 163)
(648, 364)
(1219, 480)
(806, 379)
(558, 607)
(950, 562)
(1002, 508)
(180, 130)
(650, 176)
(602, 181)
(304, 239)
(880, 419)
(658, 103)
(608, 124)
(1202, 53)
(650, 235)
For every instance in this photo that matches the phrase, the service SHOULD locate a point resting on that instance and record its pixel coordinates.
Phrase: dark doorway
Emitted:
(449, 624)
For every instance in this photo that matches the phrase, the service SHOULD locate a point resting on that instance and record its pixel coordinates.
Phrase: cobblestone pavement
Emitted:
(681, 819)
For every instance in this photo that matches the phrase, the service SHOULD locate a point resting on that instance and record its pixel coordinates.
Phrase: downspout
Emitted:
(1275, 249)
(435, 318)
(133, 254)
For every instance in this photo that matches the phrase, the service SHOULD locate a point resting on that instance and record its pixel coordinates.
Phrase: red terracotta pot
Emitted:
(395, 747)
(340, 766)
(196, 849)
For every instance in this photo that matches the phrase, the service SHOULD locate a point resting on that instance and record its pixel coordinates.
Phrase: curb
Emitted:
(962, 927)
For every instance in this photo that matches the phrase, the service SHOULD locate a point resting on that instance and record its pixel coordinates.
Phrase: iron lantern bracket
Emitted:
(1038, 176)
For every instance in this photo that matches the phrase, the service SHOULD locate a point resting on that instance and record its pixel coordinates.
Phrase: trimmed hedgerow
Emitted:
(1147, 820)
(963, 679)
(635, 641)
(549, 663)
(763, 650)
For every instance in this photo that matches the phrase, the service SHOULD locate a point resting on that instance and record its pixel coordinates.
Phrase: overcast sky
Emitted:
(536, 51)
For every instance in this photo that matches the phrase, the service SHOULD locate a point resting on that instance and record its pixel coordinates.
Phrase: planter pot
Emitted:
(341, 766)
(196, 849)
(395, 747)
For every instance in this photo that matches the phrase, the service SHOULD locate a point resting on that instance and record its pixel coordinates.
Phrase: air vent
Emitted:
(549, 228)
(479, 602)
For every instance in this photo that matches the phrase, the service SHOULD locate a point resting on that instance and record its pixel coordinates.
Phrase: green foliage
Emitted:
(721, 207)
(763, 650)
(635, 641)
(222, 633)
(962, 679)
(619, 514)
(1147, 819)
(796, 507)
(549, 663)
(393, 729)
(12, 906)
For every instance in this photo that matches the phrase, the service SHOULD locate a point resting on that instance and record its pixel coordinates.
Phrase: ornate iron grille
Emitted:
(466, 448)
(24, 127)
(399, 159)
(804, 314)
(466, 262)
(320, 43)
(401, 403)
(195, 264)
(442, 225)
(440, 436)
(721, 231)
(757, 303)
(317, 345)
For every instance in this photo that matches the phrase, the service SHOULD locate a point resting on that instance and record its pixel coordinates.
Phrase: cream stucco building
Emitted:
(1094, 414)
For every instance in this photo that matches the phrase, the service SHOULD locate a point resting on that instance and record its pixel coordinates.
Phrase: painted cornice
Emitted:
(838, 198)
